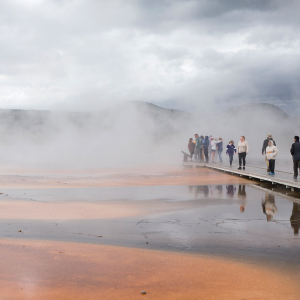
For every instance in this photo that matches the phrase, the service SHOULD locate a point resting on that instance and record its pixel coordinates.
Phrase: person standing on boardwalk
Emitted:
(201, 149)
(205, 146)
(220, 149)
(295, 151)
(265, 145)
(271, 152)
(198, 142)
(213, 148)
(191, 146)
(242, 150)
(230, 151)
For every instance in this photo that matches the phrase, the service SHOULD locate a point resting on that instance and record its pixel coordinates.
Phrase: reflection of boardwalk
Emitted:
(281, 178)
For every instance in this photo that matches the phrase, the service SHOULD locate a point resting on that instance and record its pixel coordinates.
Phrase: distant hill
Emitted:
(271, 110)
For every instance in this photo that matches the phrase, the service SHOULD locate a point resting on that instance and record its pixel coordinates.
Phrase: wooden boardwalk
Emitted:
(254, 173)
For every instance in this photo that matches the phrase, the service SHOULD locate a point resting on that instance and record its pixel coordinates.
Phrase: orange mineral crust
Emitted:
(33, 269)
(146, 176)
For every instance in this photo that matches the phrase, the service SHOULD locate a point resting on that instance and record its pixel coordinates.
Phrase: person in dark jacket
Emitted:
(295, 151)
(230, 151)
(205, 145)
(191, 146)
(198, 149)
(265, 145)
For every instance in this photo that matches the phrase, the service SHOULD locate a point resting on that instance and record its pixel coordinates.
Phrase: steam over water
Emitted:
(135, 133)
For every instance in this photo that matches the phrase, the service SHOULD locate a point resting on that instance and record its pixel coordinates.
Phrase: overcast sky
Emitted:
(205, 55)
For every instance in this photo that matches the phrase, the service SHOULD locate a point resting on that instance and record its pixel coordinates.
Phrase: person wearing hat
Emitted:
(264, 147)
(295, 151)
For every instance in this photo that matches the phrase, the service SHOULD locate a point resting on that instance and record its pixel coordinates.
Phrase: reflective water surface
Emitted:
(239, 221)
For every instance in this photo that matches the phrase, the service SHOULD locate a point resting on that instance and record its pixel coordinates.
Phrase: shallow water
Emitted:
(247, 222)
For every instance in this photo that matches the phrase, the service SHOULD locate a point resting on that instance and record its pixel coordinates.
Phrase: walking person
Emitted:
(295, 151)
(191, 146)
(220, 149)
(231, 150)
(213, 143)
(265, 145)
(242, 150)
(205, 145)
(271, 152)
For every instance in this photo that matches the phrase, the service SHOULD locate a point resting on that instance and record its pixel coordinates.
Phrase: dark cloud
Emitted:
(207, 55)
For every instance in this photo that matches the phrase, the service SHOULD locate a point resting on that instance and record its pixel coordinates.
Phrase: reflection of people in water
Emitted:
(219, 188)
(199, 189)
(230, 189)
(295, 218)
(268, 206)
(242, 197)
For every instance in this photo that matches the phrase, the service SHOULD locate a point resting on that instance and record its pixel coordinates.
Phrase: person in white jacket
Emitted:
(271, 152)
(242, 150)
(214, 148)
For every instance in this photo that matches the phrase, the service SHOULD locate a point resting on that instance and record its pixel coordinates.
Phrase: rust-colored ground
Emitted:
(61, 271)
(147, 176)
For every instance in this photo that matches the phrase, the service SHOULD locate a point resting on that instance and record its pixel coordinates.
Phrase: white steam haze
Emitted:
(76, 66)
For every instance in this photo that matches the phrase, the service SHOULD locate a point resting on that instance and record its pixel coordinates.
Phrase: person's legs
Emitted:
(267, 162)
(213, 156)
(191, 154)
(272, 165)
(230, 158)
(240, 159)
(220, 156)
(206, 155)
(296, 166)
(244, 159)
(200, 154)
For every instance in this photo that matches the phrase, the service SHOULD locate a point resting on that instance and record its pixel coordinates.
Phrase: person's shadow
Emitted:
(295, 218)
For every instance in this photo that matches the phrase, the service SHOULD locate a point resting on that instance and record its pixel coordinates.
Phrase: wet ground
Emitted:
(212, 226)
(205, 218)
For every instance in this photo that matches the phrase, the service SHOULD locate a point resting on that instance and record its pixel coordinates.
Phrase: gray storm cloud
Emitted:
(193, 55)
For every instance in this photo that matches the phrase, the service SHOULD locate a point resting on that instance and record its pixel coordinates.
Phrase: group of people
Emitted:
(204, 148)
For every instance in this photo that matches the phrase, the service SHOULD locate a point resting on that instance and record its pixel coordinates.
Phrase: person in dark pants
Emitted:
(191, 146)
(295, 151)
(271, 152)
(242, 150)
(205, 145)
(265, 145)
(230, 151)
